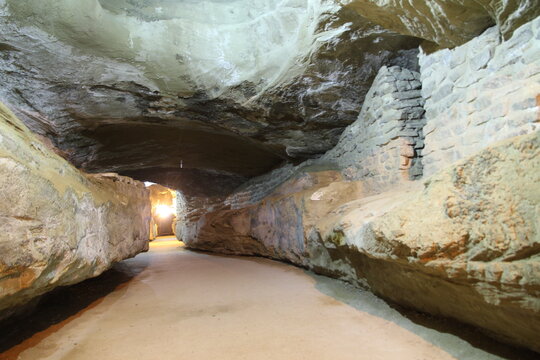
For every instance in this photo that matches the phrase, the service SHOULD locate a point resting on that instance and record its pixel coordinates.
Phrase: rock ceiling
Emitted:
(204, 94)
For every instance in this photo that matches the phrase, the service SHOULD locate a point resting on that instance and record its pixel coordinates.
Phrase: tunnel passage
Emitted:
(391, 146)
(163, 202)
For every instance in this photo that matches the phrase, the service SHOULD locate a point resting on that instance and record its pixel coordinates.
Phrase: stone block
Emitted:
(403, 85)
(480, 61)
(410, 94)
(415, 84)
(469, 78)
(457, 73)
(442, 92)
(405, 74)
(458, 58)
(482, 103)
(419, 144)
(428, 87)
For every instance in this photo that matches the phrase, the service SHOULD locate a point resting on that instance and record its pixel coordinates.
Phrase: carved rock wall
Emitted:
(481, 92)
(464, 245)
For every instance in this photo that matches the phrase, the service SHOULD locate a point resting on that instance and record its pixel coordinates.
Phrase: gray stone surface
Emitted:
(228, 89)
(478, 93)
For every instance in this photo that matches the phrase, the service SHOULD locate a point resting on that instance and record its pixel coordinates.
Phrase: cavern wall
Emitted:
(463, 242)
(59, 226)
(481, 92)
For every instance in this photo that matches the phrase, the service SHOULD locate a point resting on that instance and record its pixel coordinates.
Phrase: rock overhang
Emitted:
(229, 89)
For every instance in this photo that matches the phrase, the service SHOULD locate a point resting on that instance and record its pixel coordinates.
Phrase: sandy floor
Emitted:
(171, 303)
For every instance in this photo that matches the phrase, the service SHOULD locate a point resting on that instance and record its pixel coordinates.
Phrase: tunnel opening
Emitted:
(163, 221)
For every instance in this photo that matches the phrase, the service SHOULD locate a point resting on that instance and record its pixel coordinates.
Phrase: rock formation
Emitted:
(447, 23)
(392, 144)
(462, 243)
(59, 225)
(228, 89)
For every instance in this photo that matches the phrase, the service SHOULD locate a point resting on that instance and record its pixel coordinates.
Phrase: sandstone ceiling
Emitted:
(204, 94)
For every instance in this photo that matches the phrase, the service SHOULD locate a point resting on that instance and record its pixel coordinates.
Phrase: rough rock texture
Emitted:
(448, 23)
(59, 226)
(466, 245)
(383, 147)
(227, 89)
(483, 91)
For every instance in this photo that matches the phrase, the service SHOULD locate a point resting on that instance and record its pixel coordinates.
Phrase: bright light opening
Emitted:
(164, 211)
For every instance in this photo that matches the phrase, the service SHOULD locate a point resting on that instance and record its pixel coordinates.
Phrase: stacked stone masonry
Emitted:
(384, 146)
(481, 92)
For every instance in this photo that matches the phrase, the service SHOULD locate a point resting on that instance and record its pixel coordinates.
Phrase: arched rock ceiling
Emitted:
(226, 88)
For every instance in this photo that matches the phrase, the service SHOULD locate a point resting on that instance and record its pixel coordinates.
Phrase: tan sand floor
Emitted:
(179, 304)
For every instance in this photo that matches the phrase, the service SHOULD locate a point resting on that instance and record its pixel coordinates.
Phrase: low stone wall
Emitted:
(59, 226)
(481, 92)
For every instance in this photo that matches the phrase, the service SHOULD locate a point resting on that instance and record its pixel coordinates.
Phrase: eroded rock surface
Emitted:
(465, 245)
(59, 226)
(227, 89)
(213, 92)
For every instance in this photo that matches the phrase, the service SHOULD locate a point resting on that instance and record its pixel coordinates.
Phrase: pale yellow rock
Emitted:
(59, 226)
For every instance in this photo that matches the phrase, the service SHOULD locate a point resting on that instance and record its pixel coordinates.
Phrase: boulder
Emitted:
(59, 225)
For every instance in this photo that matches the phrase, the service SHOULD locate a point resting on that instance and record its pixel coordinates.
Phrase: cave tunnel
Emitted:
(163, 213)
(269, 179)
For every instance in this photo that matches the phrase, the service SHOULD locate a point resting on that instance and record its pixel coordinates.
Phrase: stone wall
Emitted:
(59, 226)
(481, 92)
(382, 148)
(384, 145)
